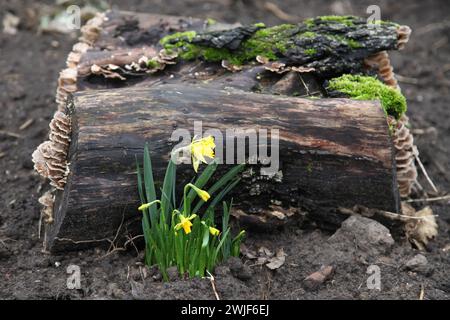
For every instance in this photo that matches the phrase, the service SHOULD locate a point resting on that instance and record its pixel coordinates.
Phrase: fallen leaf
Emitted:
(277, 261)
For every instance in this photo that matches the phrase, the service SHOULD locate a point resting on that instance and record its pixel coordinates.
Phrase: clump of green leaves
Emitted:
(360, 87)
(177, 234)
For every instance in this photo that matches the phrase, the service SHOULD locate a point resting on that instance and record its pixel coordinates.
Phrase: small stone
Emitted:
(152, 270)
(137, 289)
(114, 290)
(27, 163)
(419, 264)
(370, 236)
(157, 276)
(4, 253)
(134, 273)
(316, 279)
(221, 271)
(238, 269)
(173, 273)
(42, 262)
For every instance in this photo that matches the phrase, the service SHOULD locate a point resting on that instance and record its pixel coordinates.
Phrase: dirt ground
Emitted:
(29, 66)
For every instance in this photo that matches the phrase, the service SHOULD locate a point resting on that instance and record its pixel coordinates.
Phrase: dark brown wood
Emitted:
(333, 153)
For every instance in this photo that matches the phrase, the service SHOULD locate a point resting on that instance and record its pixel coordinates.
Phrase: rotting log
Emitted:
(348, 163)
(333, 153)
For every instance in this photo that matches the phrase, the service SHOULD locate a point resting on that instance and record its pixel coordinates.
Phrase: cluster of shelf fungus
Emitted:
(128, 61)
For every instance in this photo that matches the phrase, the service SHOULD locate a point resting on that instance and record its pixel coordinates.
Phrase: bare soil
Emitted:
(29, 66)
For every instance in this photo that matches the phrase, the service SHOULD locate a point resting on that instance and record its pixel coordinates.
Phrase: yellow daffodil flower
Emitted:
(204, 195)
(185, 223)
(144, 206)
(214, 231)
(201, 148)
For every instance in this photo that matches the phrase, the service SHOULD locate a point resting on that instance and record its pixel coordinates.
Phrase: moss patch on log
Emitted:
(300, 44)
(369, 88)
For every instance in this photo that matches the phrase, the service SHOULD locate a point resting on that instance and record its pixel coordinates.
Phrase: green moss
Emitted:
(353, 44)
(348, 42)
(265, 42)
(271, 43)
(210, 22)
(260, 25)
(178, 37)
(311, 51)
(308, 34)
(380, 22)
(347, 20)
(369, 88)
(153, 64)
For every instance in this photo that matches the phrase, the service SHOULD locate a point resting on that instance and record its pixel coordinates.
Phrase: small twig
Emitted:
(304, 84)
(425, 172)
(397, 215)
(131, 239)
(44, 242)
(10, 134)
(438, 44)
(447, 197)
(112, 246)
(213, 284)
(26, 124)
(266, 293)
(419, 186)
(310, 94)
(387, 214)
(422, 292)
(432, 27)
(117, 249)
(40, 225)
(407, 80)
(83, 241)
(280, 14)
(3, 241)
(420, 131)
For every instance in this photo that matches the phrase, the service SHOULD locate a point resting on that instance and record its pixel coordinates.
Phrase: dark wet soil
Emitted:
(29, 66)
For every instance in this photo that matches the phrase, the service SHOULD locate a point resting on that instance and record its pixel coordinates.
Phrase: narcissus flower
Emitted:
(201, 148)
(214, 231)
(204, 195)
(144, 206)
(185, 223)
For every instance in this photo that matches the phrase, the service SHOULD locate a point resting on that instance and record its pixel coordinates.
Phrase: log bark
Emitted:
(333, 153)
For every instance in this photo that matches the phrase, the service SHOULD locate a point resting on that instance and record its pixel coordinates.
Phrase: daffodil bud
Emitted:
(214, 231)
